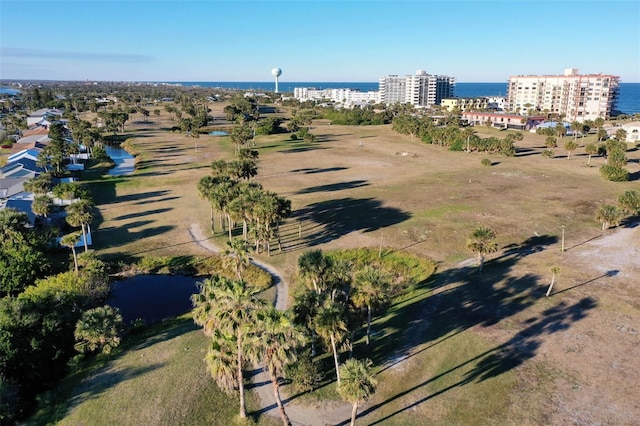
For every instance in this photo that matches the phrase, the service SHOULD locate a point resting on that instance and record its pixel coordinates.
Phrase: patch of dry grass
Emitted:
(366, 187)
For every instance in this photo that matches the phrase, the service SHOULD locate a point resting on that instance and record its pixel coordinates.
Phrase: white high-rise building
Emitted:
(577, 97)
(419, 90)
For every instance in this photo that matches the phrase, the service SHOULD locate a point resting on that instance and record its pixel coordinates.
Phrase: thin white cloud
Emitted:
(18, 52)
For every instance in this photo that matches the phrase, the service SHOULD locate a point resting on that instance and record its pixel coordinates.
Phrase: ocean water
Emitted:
(628, 100)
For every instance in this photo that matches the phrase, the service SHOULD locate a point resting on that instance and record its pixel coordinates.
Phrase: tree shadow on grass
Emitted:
(502, 358)
(458, 299)
(334, 187)
(332, 219)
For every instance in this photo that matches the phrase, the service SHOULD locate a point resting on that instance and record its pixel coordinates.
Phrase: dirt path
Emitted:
(320, 415)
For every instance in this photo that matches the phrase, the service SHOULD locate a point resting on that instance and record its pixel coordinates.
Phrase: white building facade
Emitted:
(420, 90)
(578, 97)
(343, 96)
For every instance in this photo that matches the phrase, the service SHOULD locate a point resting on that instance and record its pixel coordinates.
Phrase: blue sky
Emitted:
(216, 40)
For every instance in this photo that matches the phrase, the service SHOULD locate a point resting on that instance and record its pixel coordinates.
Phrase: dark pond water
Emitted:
(153, 297)
(219, 133)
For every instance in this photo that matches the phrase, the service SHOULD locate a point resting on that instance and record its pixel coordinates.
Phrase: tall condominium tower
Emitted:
(420, 90)
(577, 97)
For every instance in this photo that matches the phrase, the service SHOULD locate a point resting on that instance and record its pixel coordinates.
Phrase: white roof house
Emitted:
(633, 131)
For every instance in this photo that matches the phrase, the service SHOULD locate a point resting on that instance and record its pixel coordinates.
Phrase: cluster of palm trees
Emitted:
(452, 135)
(231, 192)
(244, 331)
(79, 211)
(336, 300)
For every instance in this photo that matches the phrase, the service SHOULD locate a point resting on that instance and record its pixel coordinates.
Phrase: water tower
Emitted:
(276, 72)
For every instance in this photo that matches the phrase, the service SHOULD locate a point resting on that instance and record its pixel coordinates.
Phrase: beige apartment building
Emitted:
(578, 97)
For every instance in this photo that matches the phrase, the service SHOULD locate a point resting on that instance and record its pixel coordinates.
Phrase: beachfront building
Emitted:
(501, 120)
(346, 97)
(482, 103)
(421, 90)
(577, 97)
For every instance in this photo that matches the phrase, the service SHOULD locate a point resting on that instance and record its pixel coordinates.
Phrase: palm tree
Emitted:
(236, 256)
(371, 290)
(305, 309)
(591, 149)
(358, 383)
(98, 329)
(576, 127)
(482, 241)
(221, 361)
(555, 270)
(331, 326)
(608, 214)
(205, 191)
(40, 184)
(80, 214)
(228, 308)
(279, 340)
(570, 146)
(630, 202)
(41, 205)
(70, 241)
(551, 142)
(312, 266)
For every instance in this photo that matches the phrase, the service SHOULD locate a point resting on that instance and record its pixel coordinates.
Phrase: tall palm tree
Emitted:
(305, 309)
(371, 291)
(205, 188)
(331, 325)
(482, 241)
(590, 149)
(358, 383)
(576, 127)
(279, 340)
(236, 256)
(228, 308)
(312, 266)
(570, 146)
(70, 241)
(98, 329)
(80, 214)
(608, 214)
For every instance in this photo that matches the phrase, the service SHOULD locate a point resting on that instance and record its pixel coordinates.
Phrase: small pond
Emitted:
(153, 297)
(125, 162)
(219, 133)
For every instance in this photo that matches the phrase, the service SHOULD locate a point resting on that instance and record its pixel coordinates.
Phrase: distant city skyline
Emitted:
(342, 41)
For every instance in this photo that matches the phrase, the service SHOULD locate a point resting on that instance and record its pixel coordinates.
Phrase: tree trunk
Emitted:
(553, 280)
(84, 236)
(313, 342)
(75, 258)
(213, 222)
(276, 393)
(481, 259)
(368, 324)
(589, 161)
(243, 410)
(335, 357)
(354, 413)
(229, 223)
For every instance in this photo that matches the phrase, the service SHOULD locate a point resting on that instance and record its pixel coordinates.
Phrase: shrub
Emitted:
(457, 145)
(486, 162)
(614, 174)
(547, 153)
(293, 137)
(305, 373)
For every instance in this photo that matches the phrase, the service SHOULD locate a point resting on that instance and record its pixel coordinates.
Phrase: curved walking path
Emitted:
(319, 415)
